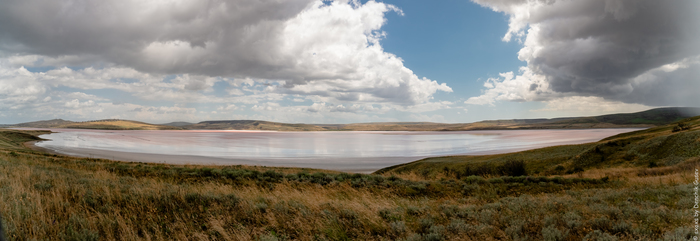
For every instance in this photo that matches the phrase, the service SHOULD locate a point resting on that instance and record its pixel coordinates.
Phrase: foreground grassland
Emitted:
(638, 197)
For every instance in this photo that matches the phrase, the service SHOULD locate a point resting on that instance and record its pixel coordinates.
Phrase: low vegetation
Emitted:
(608, 190)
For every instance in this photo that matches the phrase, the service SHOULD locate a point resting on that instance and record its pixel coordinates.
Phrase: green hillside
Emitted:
(665, 145)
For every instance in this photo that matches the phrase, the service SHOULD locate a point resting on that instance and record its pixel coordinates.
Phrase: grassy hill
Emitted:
(178, 124)
(118, 125)
(252, 125)
(110, 124)
(649, 118)
(55, 123)
(12, 140)
(665, 145)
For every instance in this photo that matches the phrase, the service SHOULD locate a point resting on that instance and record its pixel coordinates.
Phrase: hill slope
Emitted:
(665, 145)
(97, 124)
(252, 125)
(649, 118)
(45, 124)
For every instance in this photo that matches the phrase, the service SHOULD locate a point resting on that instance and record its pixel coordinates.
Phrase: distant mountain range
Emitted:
(649, 118)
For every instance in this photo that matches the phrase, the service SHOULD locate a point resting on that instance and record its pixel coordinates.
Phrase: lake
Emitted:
(362, 151)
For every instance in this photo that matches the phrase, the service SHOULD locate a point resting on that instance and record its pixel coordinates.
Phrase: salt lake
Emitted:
(363, 151)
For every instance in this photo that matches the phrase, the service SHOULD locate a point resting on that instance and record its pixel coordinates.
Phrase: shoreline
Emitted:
(32, 145)
(349, 165)
(344, 164)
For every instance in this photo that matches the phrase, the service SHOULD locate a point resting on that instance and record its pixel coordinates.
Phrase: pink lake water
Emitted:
(361, 151)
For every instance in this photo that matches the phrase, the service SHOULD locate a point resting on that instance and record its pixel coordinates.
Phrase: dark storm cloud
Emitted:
(123, 32)
(601, 48)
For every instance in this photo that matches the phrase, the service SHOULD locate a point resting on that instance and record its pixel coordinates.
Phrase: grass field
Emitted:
(641, 190)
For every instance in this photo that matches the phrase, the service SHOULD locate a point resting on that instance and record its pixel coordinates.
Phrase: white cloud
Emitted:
(228, 108)
(331, 50)
(527, 86)
(19, 88)
(75, 104)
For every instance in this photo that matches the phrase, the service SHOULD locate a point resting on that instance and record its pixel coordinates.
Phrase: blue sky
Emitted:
(344, 61)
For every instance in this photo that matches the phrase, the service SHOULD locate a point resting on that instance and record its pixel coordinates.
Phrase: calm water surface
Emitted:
(347, 151)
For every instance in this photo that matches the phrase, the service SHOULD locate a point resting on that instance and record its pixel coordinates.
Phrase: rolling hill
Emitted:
(664, 145)
(252, 125)
(110, 124)
(649, 118)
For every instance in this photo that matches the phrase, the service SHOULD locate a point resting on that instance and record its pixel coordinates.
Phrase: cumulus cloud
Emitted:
(611, 49)
(311, 47)
(19, 88)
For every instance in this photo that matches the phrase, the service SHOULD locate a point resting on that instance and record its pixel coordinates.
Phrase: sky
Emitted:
(309, 61)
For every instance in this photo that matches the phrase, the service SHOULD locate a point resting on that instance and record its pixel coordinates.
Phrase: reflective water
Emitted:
(348, 151)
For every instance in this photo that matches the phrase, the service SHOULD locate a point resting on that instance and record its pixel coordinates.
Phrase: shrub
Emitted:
(470, 189)
(682, 127)
(496, 180)
(414, 211)
(621, 227)
(449, 210)
(681, 233)
(598, 235)
(425, 224)
(415, 237)
(398, 228)
(457, 226)
(436, 233)
(513, 168)
(572, 220)
(486, 216)
(602, 223)
(515, 229)
(475, 180)
(389, 215)
(261, 206)
(551, 233)
(231, 200)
